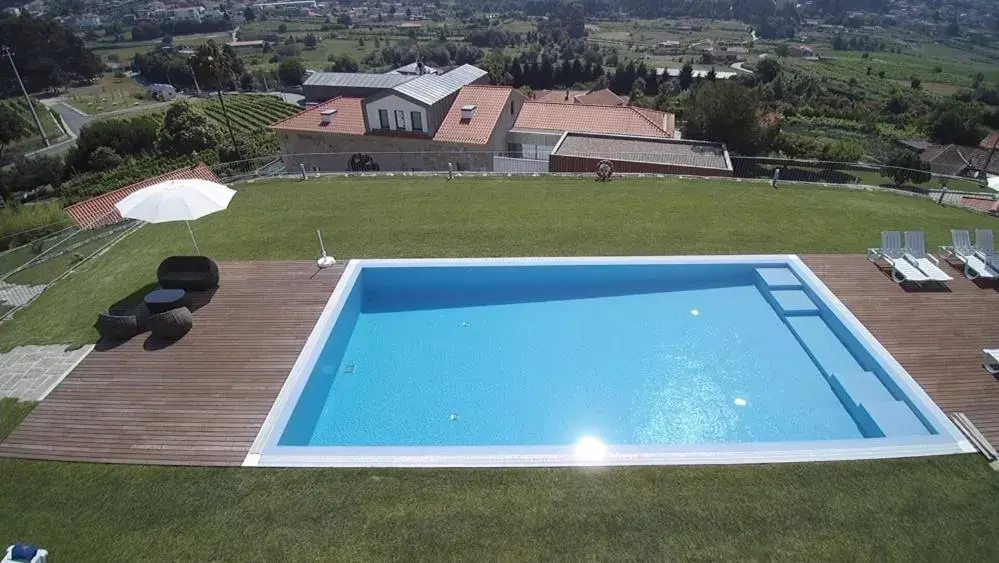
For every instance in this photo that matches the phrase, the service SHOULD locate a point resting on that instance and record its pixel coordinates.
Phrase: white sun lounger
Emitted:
(975, 265)
(915, 253)
(990, 360)
(891, 251)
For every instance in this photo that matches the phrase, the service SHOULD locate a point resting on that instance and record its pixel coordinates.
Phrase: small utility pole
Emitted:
(195, 77)
(225, 113)
(5, 51)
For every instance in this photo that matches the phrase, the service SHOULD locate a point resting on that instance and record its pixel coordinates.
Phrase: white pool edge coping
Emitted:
(265, 452)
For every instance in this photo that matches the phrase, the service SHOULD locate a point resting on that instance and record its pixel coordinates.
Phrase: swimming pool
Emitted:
(498, 362)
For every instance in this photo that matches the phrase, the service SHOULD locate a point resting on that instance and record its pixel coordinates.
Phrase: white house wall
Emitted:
(392, 103)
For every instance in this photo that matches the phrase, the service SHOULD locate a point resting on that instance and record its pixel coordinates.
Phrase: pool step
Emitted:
(777, 278)
(793, 302)
(858, 387)
(825, 348)
(889, 419)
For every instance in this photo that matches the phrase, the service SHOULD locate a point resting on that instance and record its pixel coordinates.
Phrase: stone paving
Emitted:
(30, 372)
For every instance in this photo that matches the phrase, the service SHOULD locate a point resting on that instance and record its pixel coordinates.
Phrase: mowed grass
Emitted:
(12, 412)
(931, 509)
(474, 217)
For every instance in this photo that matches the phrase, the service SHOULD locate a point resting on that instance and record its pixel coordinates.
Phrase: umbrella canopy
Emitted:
(176, 200)
(994, 183)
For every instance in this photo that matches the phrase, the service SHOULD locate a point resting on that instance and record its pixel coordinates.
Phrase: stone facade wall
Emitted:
(332, 153)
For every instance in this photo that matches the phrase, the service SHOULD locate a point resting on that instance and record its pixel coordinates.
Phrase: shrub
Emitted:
(104, 158)
(905, 166)
(30, 222)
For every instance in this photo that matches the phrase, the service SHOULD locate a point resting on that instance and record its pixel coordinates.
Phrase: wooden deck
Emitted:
(199, 401)
(202, 400)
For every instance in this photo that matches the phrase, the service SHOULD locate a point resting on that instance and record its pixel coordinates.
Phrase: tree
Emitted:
(343, 63)
(782, 50)
(12, 127)
(637, 89)
(881, 74)
(41, 45)
(187, 129)
(728, 112)
(216, 64)
(767, 70)
(248, 14)
(282, 28)
(954, 125)
(344, 19)
(905, 166)
(686, 76)
(915, 83)
(291, 71)
(104, 158)
(310, 41)
(841, 151)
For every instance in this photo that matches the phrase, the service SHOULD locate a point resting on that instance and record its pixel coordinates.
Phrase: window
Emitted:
(515, 150)
(383, 121)
(512, 109)
(400, 120)
(417, 119)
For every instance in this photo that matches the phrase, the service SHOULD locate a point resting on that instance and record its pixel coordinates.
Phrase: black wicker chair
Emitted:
(191, 273)
(117, 327)
(170, 325)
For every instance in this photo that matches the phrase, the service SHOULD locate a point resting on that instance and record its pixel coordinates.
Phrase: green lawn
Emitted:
(932, 509)
(12, 412)
(918, 509)
(429, 217)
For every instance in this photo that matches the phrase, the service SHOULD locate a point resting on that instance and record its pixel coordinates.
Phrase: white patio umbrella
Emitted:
(176, 200)
(994, 183)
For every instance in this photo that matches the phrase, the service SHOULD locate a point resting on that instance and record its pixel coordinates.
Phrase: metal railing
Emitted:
(27, 270)
(695, 164)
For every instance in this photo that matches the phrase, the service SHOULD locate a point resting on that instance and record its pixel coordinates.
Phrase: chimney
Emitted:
(467, 112)
(567, 95)
(328, 115)
(420, 69)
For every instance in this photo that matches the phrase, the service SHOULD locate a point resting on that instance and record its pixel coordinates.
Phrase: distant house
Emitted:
(393, 118)
(956, 160)
(88, 21)
(251, 46)
(582, 152)
(541, 125)
(164, 92)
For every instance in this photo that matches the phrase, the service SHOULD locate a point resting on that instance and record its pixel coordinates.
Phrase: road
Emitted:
(75, 120)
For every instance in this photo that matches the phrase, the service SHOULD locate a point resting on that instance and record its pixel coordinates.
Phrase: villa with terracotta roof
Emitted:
(433, 121)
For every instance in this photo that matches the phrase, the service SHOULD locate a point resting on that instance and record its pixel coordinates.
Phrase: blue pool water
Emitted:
(632, 355)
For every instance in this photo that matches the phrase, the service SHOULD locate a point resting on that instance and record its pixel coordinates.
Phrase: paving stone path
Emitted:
(30, 372)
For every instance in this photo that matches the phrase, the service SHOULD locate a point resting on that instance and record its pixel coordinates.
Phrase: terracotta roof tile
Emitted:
(490, 102)
(579, 118)
(601, 98)
(990, 142)
(100, 211)
(557, 96)
(348, 120)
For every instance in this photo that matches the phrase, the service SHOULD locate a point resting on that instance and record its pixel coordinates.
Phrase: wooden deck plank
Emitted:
(199, 401)
(202, 400)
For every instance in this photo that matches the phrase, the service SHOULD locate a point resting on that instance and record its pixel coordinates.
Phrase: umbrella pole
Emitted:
(194, 240)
